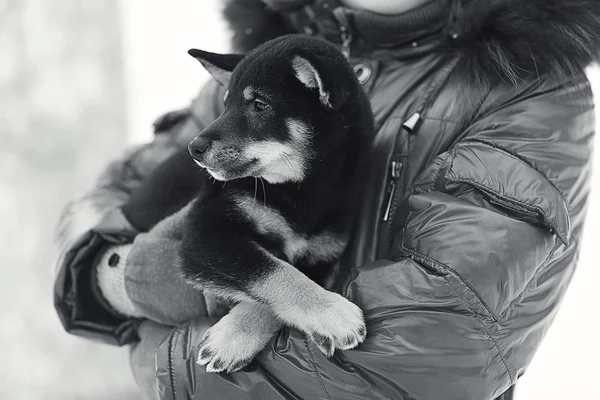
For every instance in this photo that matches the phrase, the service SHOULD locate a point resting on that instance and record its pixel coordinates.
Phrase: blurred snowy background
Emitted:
(79, 81)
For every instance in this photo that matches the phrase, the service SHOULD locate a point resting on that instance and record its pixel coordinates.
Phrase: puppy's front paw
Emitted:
(228, 346)
(339, 325)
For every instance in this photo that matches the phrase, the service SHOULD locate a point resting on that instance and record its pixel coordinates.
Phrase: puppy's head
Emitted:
(281, 101)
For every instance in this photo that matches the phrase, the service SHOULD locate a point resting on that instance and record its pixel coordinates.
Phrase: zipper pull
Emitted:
(396, 168)
(346, 35)
(412, 123)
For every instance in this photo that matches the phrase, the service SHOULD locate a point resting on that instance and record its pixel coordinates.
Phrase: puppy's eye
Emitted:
(260, 105)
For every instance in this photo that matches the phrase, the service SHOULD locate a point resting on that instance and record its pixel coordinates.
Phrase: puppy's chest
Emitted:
(324, 246)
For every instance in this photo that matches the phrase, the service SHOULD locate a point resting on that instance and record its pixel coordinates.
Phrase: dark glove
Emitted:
(144, 280)
(168, 188)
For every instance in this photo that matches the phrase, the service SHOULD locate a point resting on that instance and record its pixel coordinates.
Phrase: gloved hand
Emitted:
(166, 122)
(168, 188)
(142, 279)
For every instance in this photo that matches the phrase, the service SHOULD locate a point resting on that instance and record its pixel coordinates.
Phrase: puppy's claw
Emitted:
(239, 365)
(348, 343)
(210, 368)
(203, 360)
(204, 355)
(204, 340)
(324, 344)
(217, 365)
(339, 326)
(362, 333)
(230, 345)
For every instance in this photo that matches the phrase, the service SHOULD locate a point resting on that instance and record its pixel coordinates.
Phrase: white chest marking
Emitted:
(324, 246)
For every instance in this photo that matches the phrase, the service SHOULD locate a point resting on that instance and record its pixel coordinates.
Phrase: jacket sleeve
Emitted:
(95, 221)
(484, 251)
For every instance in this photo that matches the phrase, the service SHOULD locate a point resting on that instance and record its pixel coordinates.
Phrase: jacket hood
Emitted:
(509, 38)
(517, 38)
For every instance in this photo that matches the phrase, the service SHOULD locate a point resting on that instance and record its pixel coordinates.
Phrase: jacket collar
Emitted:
(377, 29)
(512, 39)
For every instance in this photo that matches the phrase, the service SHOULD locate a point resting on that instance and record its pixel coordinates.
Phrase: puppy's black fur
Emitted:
(325, 197)
(278, 187)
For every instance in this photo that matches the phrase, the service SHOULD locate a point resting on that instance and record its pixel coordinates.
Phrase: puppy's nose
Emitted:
(198, 147)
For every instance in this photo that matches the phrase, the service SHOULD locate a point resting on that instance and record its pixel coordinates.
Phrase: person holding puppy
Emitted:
(468, 234)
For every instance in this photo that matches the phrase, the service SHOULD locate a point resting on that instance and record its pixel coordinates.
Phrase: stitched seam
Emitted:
(518, 158)
(483, 327)
(446, 162)
(529, 207)
(171, 369)
(314, 364)
(439, 120)
(439, 268)
(407, 219)
(530, 282)
(439, 264)
(489, 190)
(459, 276)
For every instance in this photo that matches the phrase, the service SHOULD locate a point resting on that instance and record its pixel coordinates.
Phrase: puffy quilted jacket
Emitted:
(471, 218)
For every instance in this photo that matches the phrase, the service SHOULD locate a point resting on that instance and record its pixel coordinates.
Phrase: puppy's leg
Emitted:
(238, 337)
(247, 272)
(331, 320)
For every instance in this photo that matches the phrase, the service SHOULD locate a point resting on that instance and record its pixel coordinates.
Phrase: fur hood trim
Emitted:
(520, 38)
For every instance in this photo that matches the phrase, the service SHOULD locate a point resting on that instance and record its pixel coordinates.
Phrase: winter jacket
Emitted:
(471, 218)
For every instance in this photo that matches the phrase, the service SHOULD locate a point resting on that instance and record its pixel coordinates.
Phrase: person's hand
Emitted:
(151, 280)
(155, 284)
(166, 122)
(166, 189)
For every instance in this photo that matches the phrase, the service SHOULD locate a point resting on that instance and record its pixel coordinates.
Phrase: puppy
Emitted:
(277, 198)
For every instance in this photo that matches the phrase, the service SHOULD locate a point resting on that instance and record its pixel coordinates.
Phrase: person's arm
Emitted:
(482, 257)
(109, 215)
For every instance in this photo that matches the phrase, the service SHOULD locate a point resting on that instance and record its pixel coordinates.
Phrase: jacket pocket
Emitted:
(492, 221)
(511, 185)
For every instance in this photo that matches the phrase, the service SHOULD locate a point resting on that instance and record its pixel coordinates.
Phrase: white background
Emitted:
(161, 76)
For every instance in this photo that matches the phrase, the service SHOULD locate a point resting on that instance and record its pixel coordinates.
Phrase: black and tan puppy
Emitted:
(296, 119)
(288, 144)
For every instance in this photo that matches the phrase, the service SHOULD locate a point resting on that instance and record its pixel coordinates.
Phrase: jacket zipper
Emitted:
(395, 169)
(410, 126)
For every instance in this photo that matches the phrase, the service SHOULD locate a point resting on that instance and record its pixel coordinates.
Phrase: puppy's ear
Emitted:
(219, 66)
(316, 73)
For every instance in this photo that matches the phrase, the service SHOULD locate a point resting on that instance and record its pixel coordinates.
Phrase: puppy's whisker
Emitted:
(264, 191)
(255, 188)
(285, 157)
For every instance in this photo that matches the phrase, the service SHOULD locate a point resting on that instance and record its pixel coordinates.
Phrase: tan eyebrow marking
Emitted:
(249, 93)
